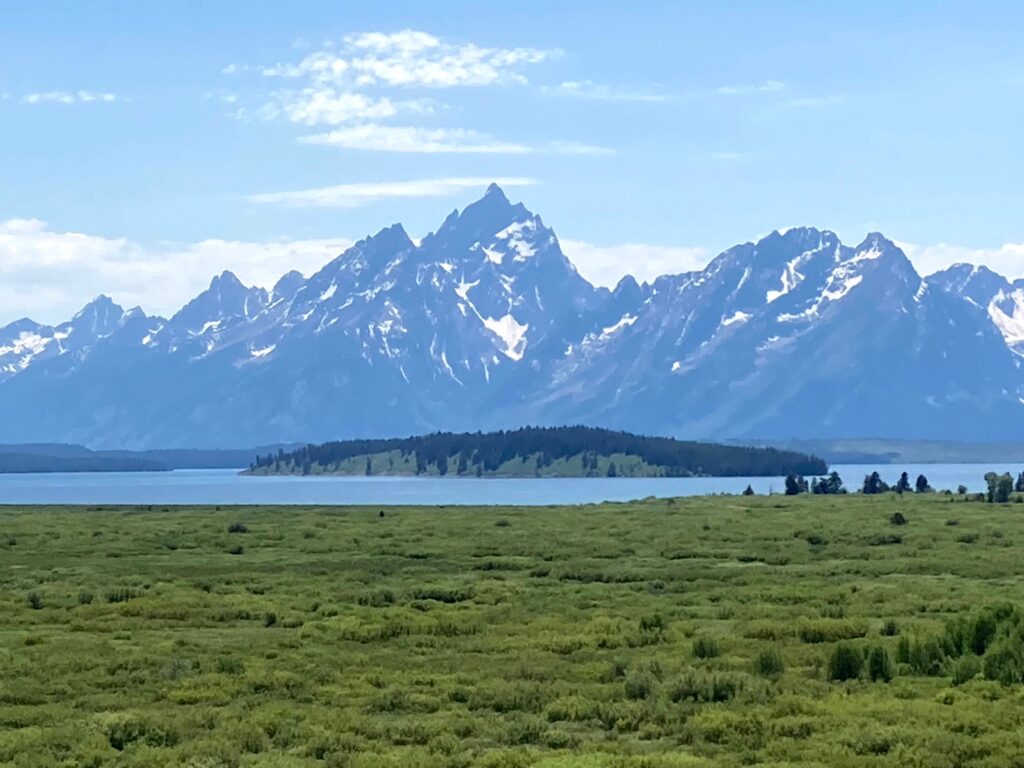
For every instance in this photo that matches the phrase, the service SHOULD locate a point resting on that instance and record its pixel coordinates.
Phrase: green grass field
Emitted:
(656, 634)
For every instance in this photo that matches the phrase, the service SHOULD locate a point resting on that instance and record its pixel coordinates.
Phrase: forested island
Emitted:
(536, 452)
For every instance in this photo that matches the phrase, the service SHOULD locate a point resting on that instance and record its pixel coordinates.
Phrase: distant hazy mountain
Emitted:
(486, 324)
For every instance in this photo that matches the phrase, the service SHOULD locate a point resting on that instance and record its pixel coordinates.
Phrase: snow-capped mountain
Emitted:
(1000, 299)
(485, 324)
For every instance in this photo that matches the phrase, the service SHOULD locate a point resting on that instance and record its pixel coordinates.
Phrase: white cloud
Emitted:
(50, 275)
(69, 97)
(410, 139)
(355, 195)
(326, 106)
(352, 87)
(410, 58)
(386, 138)
(768, 86)
(1007, 260)
(588, 89)
(607, 264)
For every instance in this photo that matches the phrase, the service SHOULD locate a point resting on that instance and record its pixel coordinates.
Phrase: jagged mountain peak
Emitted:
(801, 234)
(485, 323)
(391, 238)
(976, 282)
(102, 303)
(99, 316)
(287, 285)
(493, 190)
(227, 298)
(627, 286)
(482, 220)
(876, 241)
(226, 280)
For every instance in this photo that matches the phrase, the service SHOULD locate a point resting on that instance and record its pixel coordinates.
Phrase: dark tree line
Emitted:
(831, 483)
(488, 451)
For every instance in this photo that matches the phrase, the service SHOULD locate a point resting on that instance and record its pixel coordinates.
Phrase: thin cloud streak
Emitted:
(69, 97)
(587, 89)
(356, 195)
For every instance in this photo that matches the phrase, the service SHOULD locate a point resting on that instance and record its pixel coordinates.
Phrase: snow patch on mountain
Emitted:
(736, 317)
(512, 334)
(624, 322)
(1009, 320)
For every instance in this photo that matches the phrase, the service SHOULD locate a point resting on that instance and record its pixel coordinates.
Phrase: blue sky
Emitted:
(148, 146)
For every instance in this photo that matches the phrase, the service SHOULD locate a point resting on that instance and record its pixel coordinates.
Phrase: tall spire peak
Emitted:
(493, 190)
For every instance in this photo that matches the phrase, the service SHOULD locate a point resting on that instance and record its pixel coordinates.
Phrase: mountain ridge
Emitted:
(485, 323)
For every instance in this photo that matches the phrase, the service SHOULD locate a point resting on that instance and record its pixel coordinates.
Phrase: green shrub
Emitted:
(903, 650)
(769, 664)
(705, 648)
(845, 663)
(35, 601)
(830, 631)
(639, 685)
(966, 669)
(1004, 662)
(880, 668)
(928, 657)
(704, 688)
(120, 595)
(652, 623)
(238, 528)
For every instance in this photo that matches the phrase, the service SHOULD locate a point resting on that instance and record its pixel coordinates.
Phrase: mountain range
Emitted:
(485, 324)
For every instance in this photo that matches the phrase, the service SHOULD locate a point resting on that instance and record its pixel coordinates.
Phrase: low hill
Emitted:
(15, 463)
(536, 452)
(892, 451)
(68, 457)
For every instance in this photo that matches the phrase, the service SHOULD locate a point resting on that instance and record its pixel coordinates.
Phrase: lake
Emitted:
(226, 486)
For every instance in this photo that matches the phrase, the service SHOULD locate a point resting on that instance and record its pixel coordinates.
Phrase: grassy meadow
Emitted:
(655, 634)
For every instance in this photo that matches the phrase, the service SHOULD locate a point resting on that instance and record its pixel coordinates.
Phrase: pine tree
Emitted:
(795, 485)
(873, 484)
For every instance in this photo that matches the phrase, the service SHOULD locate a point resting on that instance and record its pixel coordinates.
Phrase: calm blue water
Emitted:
(225, 486)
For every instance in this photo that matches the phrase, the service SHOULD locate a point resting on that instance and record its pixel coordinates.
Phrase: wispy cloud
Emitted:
(587, 89)
(69, 97)
(326, 106)
(55, 273)
(389, 138)
(768, 86)
(607, 264)
(1007, 260)
(374, 89)
(411, 58)
(355, 195)
(431, 141)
